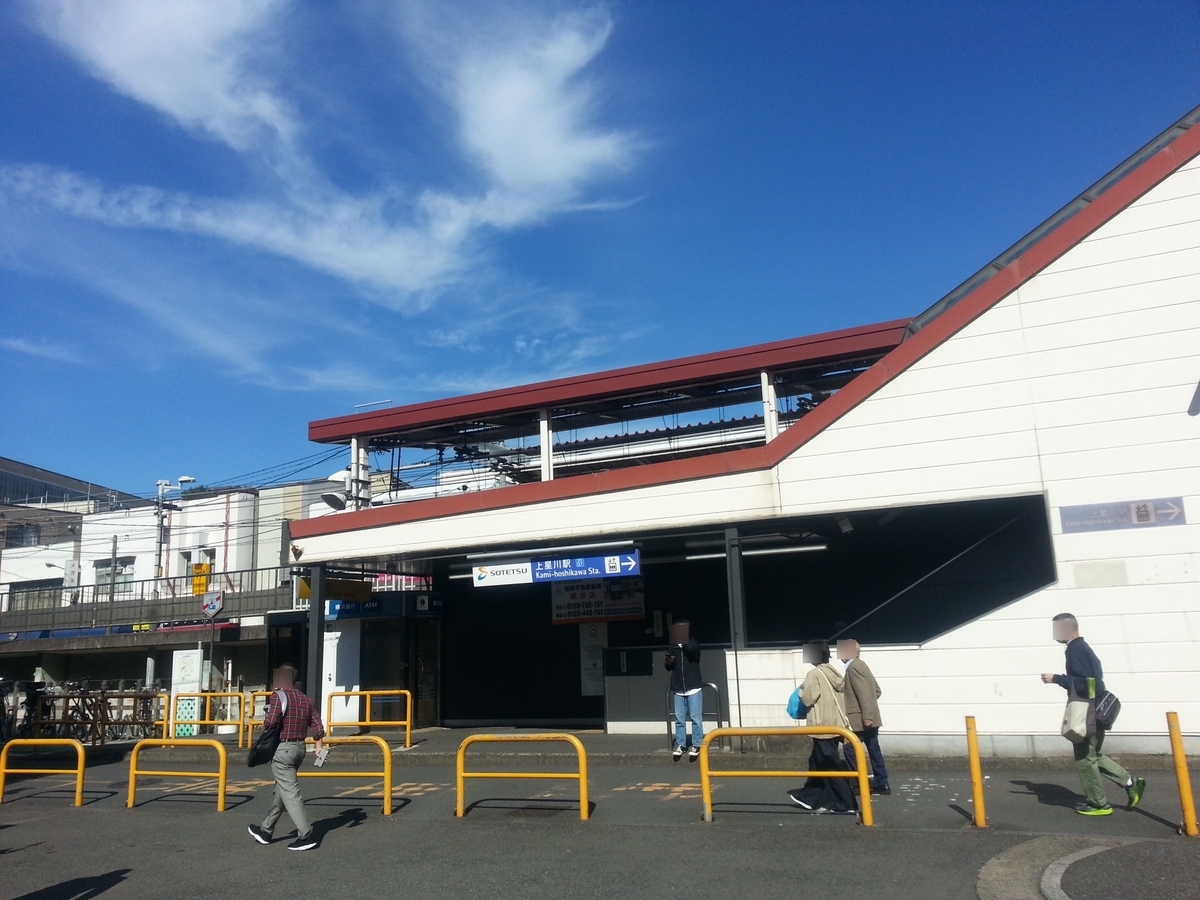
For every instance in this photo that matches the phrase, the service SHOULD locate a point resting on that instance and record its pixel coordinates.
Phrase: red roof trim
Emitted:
(635, 379)
(1074, 230)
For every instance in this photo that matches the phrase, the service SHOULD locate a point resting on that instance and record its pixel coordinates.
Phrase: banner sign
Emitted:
(597, 601)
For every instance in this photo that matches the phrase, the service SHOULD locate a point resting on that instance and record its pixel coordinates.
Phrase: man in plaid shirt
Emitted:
(299, 717)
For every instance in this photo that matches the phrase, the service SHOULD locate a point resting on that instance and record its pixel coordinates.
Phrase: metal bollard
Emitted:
(976, 774)
(1182, 777)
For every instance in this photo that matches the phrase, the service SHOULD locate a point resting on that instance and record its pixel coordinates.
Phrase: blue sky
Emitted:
(222, 219)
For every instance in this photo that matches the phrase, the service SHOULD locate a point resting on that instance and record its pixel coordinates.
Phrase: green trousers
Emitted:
(1091, 761)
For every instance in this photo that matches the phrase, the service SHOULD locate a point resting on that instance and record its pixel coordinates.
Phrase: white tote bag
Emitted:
(1075, 721)
(1078, 719)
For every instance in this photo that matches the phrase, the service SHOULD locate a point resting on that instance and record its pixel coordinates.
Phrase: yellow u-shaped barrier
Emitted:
(860, 755)
(207, 719)
(386, 774)
(221, 773)
(45, 742)
(370, 722)
(580, 776)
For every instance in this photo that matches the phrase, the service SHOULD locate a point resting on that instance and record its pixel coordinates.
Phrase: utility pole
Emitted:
(112, 572)
(158, 542)
(160, 513)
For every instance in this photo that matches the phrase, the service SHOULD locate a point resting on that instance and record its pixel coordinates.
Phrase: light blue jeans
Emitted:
(692, 707)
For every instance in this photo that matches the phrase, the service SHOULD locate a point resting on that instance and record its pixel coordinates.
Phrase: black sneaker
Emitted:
(1134, 790)
(693, 754)
(677, 753)
(882, 789)
(304, 842)
(263, 837)
(1086, 809)
(795, 797)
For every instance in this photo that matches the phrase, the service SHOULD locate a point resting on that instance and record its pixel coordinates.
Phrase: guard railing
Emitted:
(44, 742)
(707, 774)
(580, 775)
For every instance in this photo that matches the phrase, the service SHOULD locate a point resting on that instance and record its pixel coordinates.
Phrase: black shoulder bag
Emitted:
(1108, 707)
(264, 746)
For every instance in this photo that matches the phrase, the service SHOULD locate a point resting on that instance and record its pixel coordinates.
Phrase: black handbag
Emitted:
(264, 746)
(1108, 707)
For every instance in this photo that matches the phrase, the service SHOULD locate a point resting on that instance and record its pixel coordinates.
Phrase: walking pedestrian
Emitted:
(687, 684)
(1085, 680)
(821, 693)
(298, 716)
(862, 695)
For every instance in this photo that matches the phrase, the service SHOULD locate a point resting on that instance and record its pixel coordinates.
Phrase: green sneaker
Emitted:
(1086, 809)
(1135, 789)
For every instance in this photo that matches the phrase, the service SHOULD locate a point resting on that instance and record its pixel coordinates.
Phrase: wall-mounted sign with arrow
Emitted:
(582, 568)
(1123, 514)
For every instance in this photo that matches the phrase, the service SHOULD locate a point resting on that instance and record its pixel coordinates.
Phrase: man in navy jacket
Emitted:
(1085, 680)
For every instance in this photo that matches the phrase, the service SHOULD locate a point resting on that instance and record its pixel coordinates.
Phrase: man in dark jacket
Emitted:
(1085, 680)
(683, 662)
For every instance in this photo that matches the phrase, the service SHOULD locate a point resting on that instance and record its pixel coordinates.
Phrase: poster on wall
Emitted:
(612, 600)
(593, 638)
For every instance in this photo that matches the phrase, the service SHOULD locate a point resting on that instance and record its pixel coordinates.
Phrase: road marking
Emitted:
(1052, 878)
(1016, 874)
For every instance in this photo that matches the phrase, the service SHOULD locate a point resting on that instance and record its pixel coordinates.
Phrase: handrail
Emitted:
(386, 774)
(671, 711)
(706, 774)
(221, 773)
(370, 722)
(208, 696)
(45, 742)
(580, 776)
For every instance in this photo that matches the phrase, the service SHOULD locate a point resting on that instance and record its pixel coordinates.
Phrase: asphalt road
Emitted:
(525, 839)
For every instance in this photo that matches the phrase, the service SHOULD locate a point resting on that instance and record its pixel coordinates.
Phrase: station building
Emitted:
(937, 488)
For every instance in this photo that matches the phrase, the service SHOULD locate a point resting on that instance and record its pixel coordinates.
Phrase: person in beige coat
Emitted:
(862, 694)
(821, 693)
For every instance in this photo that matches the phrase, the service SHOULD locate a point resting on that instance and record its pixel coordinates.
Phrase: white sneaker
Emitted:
(693, 754)
(677, 753)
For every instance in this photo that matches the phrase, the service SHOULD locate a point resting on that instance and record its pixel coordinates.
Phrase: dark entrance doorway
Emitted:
(405, 653)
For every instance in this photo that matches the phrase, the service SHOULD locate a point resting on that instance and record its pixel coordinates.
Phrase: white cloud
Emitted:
(195, 60)
(511, 81)
(41, 350)
(525, 111)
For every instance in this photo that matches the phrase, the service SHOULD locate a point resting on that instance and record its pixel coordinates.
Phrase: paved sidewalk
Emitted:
(645, 838)
(439, 746)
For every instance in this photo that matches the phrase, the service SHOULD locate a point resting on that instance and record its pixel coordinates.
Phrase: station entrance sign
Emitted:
(582, 568)
(1153, 513)
(558, 569)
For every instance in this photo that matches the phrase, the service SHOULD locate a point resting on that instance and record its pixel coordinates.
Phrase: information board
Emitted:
(601, 600)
